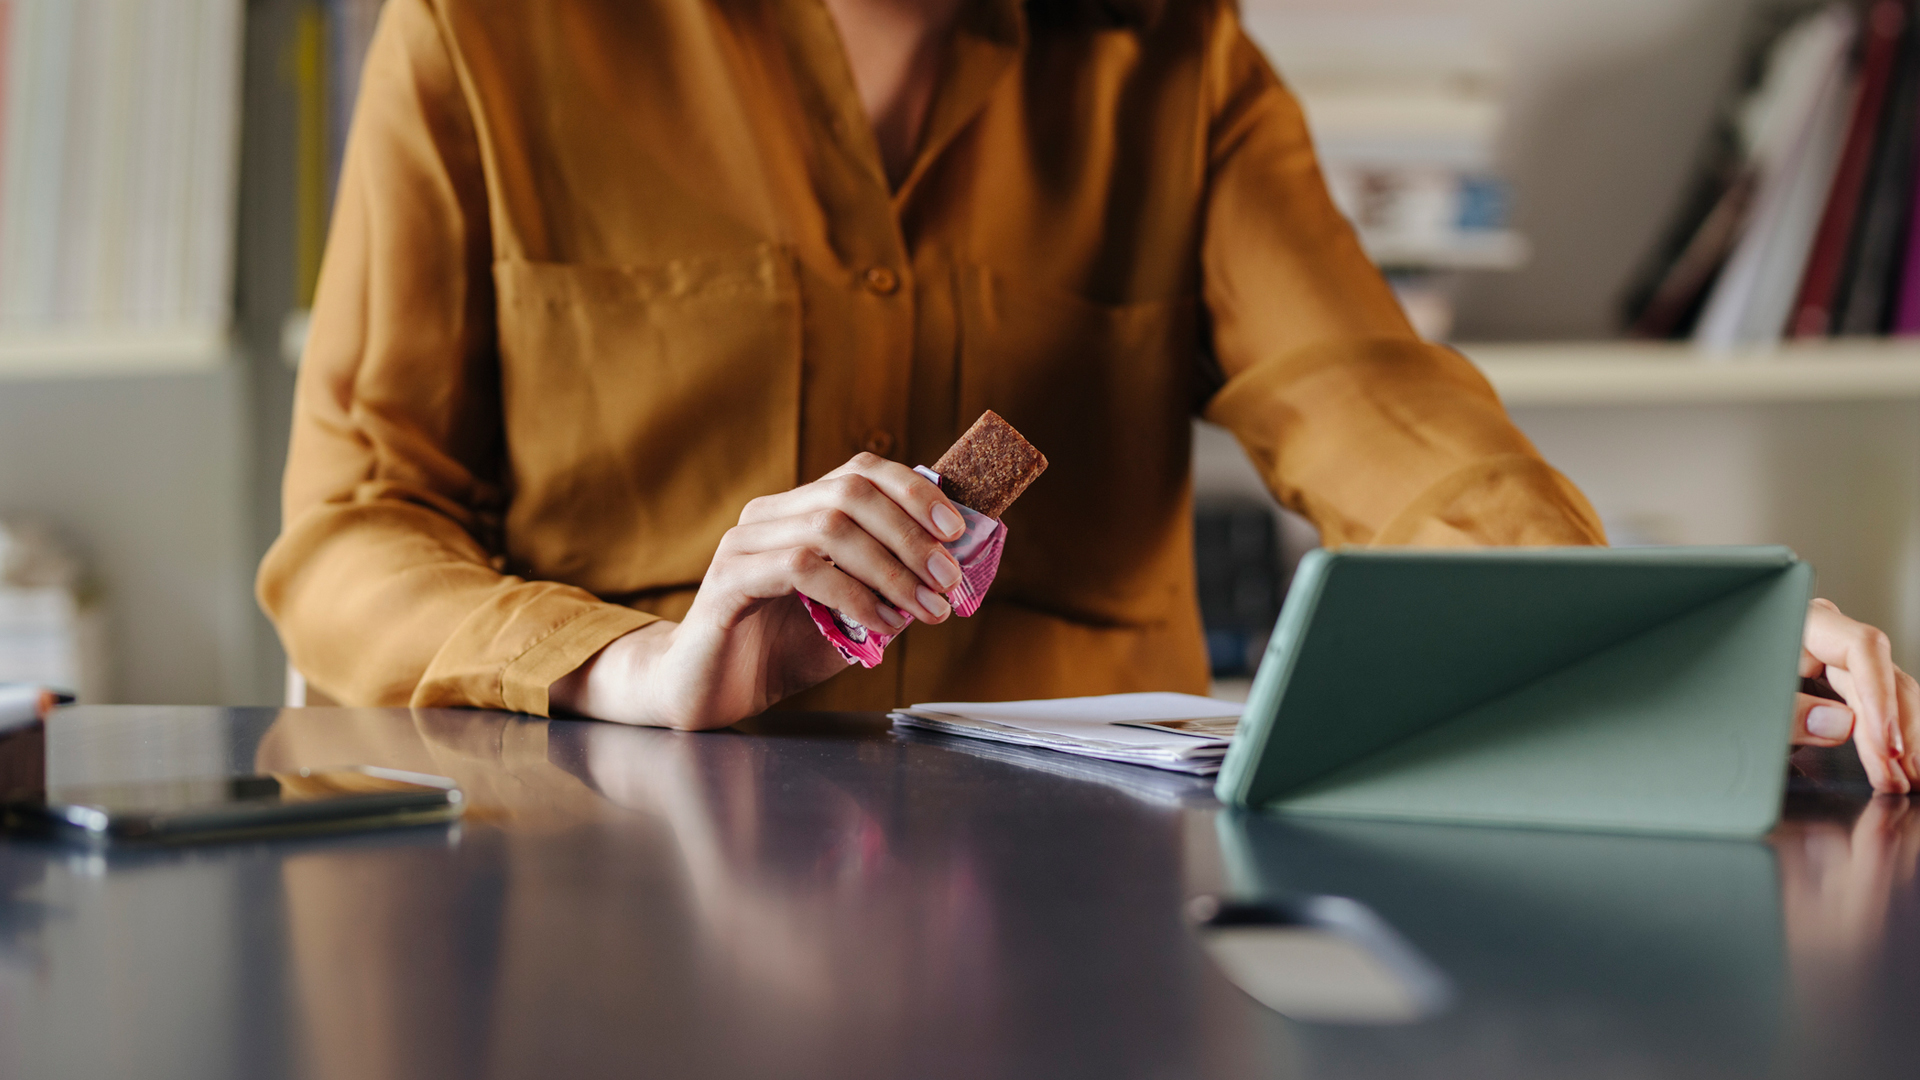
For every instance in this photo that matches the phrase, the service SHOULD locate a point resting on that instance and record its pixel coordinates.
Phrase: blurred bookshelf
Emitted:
(1790, 273)
(119, 175)
(1757, 376)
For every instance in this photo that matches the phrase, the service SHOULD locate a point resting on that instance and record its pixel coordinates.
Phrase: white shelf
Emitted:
(97, 352)
(1478, 249)
(1662, 373)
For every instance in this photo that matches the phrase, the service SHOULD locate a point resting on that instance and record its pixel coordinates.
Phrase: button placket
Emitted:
(884, 282)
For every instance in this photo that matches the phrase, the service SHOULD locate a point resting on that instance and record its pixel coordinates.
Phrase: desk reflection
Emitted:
(1628, 955)
(821, 897)
(739, 908)
(787, 920)
(1616, 952)
(1840, 884)
(396, 956)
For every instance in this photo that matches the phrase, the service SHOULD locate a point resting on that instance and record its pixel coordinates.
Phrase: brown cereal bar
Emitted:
(989, 466)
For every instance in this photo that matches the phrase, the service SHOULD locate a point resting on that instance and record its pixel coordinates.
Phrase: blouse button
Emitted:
(881, 281)
(878, 442)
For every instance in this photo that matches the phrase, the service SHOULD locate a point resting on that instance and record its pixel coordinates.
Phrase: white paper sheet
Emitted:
(1089, 726)
(19, 705)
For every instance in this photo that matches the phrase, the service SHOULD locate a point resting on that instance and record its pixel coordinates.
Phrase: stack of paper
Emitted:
(1150, 785)
(22, 704)
(48, 636)
(1166, 731)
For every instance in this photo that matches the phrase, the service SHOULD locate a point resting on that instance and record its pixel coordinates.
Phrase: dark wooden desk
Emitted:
(816, 896)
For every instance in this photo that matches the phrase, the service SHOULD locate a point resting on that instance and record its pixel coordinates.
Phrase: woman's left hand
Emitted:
(1882, 709)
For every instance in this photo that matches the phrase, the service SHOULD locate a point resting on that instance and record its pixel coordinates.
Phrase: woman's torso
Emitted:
(706, 292)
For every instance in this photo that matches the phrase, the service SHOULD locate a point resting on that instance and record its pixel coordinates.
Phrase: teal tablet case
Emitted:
(1635, 690)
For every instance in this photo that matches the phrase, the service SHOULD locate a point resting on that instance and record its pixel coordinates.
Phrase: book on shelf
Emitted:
(329, 47)
(52, 628)
(1801, 220)
(1904, 317)
(1813, 311)
(1865, 294)
(312, 196)
(350, 25)
(1798, 153)
(1672, 301)
(119, 127)
(1665, 295)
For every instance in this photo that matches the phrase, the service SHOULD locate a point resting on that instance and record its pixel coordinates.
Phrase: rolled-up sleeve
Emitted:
(387, 583)
(1374, 435)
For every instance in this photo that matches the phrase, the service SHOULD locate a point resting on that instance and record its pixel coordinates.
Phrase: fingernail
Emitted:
(947, 521)
(944, 569)
(1829, 722)
(895, 619)
(932, 601)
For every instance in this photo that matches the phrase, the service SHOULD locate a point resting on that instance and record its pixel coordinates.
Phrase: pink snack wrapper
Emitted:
(978, 553)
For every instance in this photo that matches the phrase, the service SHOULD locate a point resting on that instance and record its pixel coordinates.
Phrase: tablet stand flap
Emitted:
(1682, 728)
(1376, 647)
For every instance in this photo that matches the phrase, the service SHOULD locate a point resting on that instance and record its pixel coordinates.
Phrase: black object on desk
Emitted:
(190, 810)
(23, 763)
(211, 807)
(1240, 579)
(814, 896)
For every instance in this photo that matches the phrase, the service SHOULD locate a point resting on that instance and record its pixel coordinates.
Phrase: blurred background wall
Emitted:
(165, 484)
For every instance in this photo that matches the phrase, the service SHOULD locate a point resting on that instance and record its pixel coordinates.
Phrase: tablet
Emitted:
(1638, 689)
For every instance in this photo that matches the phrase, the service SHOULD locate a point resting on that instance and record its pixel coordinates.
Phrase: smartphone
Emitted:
(275, 804)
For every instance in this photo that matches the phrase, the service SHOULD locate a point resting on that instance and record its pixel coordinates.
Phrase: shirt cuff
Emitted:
(525, 679)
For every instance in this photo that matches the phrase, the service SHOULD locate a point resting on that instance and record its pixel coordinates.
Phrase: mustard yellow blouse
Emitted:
(602, 271)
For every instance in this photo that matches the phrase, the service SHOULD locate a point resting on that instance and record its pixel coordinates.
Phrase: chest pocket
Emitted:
(1105, 391)
(644, 406)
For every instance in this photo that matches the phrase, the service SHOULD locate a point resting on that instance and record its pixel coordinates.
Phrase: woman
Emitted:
(611, 280)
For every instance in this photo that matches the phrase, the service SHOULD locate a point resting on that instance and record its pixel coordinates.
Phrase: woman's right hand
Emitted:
(870, 527)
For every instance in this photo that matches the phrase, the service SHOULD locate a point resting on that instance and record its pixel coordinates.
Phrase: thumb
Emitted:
(1820, 721)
